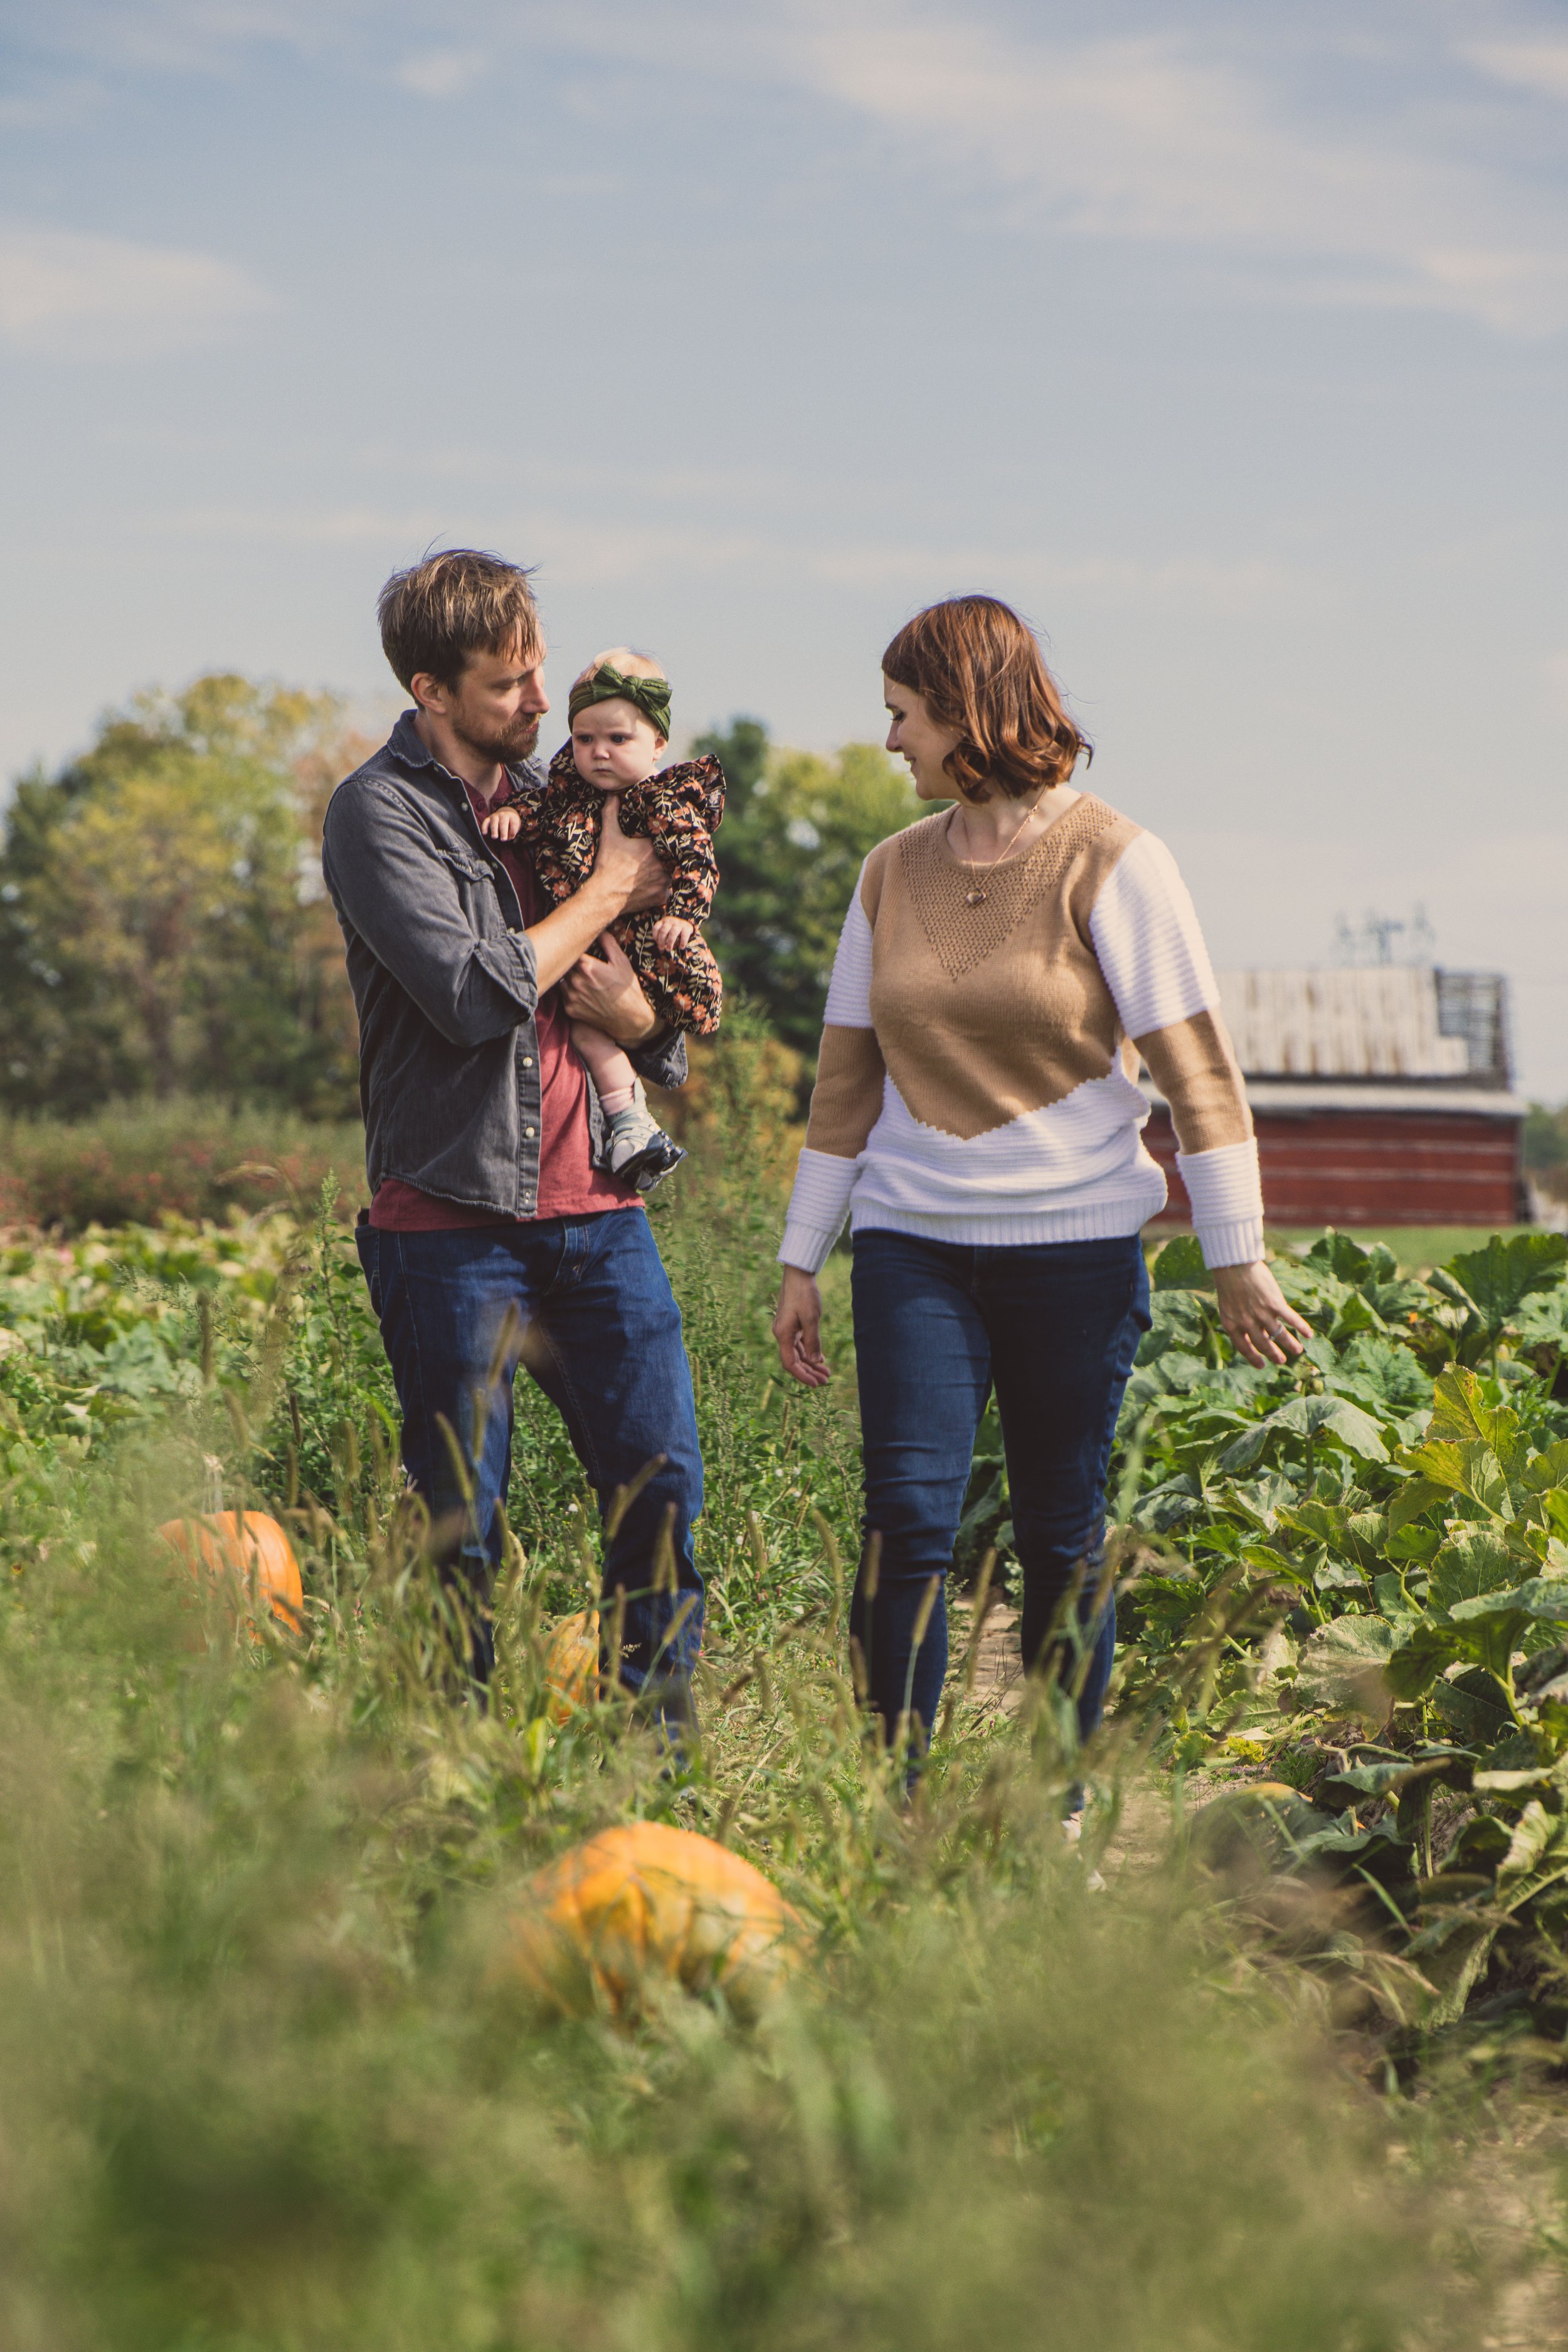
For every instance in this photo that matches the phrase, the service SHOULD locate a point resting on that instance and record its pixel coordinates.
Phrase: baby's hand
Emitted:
(502, 824)
(670, 933)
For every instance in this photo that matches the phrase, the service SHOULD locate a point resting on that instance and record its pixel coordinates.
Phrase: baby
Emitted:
(619, 710)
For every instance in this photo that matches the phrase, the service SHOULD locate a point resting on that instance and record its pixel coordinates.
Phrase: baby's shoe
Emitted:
(637, 1146)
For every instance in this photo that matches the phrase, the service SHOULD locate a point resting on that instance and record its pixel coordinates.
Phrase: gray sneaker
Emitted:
(638, 1149)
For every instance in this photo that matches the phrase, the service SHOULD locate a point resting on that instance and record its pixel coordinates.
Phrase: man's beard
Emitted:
(506, 744)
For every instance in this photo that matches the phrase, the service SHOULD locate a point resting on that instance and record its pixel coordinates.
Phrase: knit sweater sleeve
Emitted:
(1145, 932)
(846, 1101)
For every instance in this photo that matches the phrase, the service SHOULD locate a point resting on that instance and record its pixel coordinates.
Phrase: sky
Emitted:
(1227, 339)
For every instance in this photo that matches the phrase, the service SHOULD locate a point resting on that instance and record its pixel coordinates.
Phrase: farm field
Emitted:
(1291, 2079)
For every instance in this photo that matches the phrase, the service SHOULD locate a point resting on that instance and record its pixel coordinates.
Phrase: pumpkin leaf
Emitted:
(1180, 1266)
(1473, 1562)
(1344, 1664)
(1501, 1276)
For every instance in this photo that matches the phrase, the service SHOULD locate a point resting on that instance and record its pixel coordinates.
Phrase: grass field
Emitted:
(266, 2079)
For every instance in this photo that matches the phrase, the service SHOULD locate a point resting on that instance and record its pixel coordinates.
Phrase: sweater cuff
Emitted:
(1226, 1201)
(1239, 1242)
(817, 1208)
(809, 1247)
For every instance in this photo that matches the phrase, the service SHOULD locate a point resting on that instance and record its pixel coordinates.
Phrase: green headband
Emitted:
(648, 695)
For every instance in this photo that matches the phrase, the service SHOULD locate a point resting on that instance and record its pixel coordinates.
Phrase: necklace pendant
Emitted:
(975, 897)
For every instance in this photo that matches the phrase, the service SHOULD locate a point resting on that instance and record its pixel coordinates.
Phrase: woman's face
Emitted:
(922, 739)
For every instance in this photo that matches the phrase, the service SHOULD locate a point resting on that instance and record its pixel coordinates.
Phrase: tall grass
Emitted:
(263, 2078)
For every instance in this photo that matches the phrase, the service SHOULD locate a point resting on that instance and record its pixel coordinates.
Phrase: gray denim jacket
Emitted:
(443, 980)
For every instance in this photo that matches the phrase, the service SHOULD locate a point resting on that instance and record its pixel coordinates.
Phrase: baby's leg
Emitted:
(609, 1067)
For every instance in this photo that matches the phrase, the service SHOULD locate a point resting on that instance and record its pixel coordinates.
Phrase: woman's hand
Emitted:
(1256, 1319)
(797, 1326)
(609, 994)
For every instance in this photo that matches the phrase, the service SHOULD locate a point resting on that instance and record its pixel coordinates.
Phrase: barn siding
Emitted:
(1371, 1168)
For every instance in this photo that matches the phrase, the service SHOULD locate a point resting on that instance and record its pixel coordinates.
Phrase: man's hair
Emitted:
(979, 668)
(438, 614)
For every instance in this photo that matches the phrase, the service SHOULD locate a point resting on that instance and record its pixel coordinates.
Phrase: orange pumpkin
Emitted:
(572, 1664)
(647, 1901)
(248, 1547)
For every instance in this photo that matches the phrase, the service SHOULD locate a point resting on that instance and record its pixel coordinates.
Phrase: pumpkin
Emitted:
(572, 1664)
(248, 1547)
(648, 1901)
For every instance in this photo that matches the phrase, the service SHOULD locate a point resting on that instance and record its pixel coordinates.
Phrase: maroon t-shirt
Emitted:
(569, 1183)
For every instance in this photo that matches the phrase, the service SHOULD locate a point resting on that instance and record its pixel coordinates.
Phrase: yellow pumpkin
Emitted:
(572, 1664)
(647, 1901)
(248, 1547)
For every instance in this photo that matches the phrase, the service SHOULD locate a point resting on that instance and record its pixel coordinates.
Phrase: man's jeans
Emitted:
(585, 1304)
(1055, 1326)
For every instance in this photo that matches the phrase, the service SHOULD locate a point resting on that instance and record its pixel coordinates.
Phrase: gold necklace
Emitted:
(978, 894)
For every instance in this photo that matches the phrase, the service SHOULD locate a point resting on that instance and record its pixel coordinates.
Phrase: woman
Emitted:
(975, 1114)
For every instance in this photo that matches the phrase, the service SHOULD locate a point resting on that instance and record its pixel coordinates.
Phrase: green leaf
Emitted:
(1542, 1597)
(1452, 1953)
(1338, 1255)
(1344, 1664)
(1310, 1417)
(1473, 1560)
(1423, 1649)
(1504, 1274)
(1180, 1266)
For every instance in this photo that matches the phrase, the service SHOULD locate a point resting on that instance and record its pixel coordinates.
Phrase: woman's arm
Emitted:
(845, 1104)
(1150, 947)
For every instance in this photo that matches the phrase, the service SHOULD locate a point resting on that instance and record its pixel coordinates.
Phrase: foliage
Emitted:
(1378, 1538)
(796, 835)
(263, 2082)
(161, 928)
(141, 1163)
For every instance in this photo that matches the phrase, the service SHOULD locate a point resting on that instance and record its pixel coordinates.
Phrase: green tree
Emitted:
(797, 831)
(160, 927)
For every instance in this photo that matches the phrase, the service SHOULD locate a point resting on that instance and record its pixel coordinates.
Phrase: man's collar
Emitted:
(407, 743)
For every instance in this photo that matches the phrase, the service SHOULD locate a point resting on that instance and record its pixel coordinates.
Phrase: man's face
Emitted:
(496, 704)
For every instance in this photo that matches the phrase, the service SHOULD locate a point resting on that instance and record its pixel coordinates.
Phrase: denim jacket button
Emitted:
(528, 1131)
(527, 1061)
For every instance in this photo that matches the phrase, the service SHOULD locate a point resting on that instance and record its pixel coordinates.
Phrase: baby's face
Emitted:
(614, 745)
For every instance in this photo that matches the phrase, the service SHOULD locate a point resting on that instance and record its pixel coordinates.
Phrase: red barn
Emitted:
(1382, 1097)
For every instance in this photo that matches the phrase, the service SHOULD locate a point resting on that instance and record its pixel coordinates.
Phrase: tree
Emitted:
(160, 923)
(795, 834)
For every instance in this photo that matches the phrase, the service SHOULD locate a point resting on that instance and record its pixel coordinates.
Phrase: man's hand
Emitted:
(609, 994)
(798, 1328)
(626, 869)
(1255, 1318)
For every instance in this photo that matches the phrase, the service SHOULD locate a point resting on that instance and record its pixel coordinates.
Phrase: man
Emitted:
(493, 1235)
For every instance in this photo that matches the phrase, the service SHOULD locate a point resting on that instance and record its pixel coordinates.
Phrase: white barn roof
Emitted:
(1378, 1037)
(1381, 1023)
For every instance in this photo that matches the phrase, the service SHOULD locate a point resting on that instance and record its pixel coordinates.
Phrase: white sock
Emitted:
(616, 1099)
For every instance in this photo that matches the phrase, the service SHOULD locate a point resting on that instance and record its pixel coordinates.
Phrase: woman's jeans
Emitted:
(585, 1305)
(1053, 1327)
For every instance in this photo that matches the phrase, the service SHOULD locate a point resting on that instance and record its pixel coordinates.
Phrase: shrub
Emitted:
(139, 1163)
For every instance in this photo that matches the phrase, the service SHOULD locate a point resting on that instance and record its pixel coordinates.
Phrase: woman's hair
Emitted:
(979, 668)
(619, 657)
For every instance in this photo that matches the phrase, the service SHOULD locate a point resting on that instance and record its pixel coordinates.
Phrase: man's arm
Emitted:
(404, 902)
(388, 884)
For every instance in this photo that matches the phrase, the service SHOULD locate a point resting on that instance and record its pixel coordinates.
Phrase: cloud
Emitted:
(65, 294)
(441, 73)
(1540, 67)
(1292, 158)
(1148, 138)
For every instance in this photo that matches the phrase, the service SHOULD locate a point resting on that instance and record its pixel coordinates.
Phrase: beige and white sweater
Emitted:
(977, 1080)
